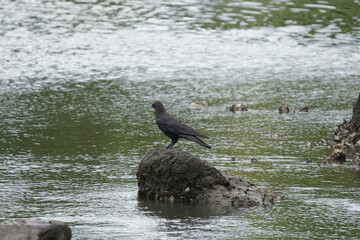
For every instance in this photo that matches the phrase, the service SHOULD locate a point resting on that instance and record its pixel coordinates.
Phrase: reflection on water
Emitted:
(176, 210)
(77, 80)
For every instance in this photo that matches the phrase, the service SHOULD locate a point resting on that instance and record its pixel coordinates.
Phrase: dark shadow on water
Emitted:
(182, 210)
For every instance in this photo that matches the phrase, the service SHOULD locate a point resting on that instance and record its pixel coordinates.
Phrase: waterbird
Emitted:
(175, 129)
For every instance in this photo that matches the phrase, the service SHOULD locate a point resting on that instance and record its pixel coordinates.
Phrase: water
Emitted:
(77, 80)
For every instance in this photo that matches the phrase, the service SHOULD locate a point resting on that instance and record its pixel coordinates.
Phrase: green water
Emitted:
(77, 80)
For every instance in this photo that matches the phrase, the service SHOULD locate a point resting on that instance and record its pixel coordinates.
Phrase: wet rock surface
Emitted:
(346, 138)
(170, 174)
(304, 109)
(31, 229)
(236, 107)
(283, 110)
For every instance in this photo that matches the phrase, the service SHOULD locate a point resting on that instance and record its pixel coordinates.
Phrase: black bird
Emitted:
(174, 129)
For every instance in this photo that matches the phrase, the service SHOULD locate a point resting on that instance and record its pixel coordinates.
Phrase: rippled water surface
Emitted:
(77, 80)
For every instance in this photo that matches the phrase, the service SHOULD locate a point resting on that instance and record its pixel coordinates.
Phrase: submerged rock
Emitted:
(31, 229)
(277, 135)
(283, 110)
(172, 174)
(304, 109)
(200, 104)
(321, 142)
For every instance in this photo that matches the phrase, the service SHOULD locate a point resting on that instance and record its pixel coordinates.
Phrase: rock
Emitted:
(31, 229)
(308, 160)
(193, 104)
(283, 110)
(352, 136)
(304, 109)
(237, 107)
(347, 136)
(241, 144)
(254, 160)
(356, 159)
(240, 193)
(321, 142)
(276, 135)
(201, 104)
(168, 172)
(338, 155)
(163, 173)
(355, 119)
(337, 150)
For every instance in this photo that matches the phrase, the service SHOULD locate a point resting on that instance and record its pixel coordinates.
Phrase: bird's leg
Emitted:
(173, 141)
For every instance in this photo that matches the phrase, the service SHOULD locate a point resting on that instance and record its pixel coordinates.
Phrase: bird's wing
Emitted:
(170, 124)
(196, 140)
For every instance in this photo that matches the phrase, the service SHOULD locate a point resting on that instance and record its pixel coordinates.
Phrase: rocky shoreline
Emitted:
(346, 138)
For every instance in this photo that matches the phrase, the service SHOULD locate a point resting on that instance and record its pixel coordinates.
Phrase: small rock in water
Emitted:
(308, 160)
(254, 160)
(321, 142)
(284, 110)
(325, 163)
(304, 109)
(309, 144)
(277, 135)
(241, 144)
(35, 229)
(201, 104)
(233, 158)
(193, 104)
(237, 107)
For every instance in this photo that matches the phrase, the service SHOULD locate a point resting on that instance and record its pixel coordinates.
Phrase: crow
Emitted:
(174, 129)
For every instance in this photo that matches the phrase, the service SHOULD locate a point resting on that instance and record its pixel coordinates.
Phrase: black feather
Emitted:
(175, 129)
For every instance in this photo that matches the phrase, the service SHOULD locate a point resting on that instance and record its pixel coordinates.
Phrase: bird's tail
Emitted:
(195, 139)
(201, 135)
